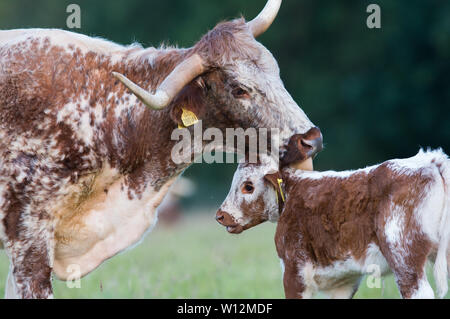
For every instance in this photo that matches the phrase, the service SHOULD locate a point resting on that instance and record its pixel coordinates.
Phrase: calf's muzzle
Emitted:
(228, 221)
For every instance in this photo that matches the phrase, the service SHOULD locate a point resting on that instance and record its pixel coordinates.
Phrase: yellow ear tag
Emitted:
(188, 118)
(281, 190)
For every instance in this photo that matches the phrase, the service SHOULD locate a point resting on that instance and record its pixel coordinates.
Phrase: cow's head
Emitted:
(230, 80)
(255, 196)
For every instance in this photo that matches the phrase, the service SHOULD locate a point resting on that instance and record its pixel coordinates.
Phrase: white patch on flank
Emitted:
(307, 272)
(398, 242)
(375, 257)
(431, 209)
(339, 269)
(395, 224)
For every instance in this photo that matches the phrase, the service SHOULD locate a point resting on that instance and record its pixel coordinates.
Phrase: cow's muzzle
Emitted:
(228, 221)
(303, 146)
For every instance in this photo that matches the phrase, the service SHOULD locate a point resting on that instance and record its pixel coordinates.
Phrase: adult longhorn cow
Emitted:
(84, 165)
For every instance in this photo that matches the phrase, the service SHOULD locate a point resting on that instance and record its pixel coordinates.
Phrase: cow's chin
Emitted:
(306, 165)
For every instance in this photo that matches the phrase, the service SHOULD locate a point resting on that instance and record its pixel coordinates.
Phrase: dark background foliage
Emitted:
(375, 93)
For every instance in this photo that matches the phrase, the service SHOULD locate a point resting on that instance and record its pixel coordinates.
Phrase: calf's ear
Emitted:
(272, 178)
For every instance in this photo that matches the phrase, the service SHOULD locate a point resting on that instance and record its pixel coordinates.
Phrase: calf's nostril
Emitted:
(219, 217)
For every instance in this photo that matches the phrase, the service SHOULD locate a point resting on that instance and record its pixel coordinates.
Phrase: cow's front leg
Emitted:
(10, 289)
(30, 253)
(30, 272)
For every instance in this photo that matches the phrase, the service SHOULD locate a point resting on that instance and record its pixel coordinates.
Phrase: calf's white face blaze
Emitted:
(244, 206)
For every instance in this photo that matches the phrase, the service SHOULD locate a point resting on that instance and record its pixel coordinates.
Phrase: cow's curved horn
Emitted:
(184, 73)
(265, 18)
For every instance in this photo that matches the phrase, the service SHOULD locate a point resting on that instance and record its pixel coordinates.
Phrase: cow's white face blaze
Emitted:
(253, 95)
(251, 200)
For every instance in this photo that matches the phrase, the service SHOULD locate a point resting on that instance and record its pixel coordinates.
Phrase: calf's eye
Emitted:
(248, 188)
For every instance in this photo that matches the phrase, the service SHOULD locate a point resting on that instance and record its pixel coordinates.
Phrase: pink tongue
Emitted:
(306, 165)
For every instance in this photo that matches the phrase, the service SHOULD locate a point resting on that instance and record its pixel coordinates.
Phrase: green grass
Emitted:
(195, 259)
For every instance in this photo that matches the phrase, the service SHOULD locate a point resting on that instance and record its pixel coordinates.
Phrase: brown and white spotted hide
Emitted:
(84, 164)
(335, 227)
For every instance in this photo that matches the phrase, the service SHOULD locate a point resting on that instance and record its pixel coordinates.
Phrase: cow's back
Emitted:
(62, 38)
(56, 89)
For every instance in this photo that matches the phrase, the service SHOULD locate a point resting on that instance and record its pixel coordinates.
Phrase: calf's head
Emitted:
(254, 196)
(230, 80)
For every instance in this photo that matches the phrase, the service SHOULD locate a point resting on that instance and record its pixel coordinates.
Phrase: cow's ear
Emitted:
(272, 179)
(191, 100)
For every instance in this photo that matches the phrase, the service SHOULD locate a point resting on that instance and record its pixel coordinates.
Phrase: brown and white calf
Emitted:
(333, 227)
(84, 165)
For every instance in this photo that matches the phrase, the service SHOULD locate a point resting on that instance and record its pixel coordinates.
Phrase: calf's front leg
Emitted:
(294, 283)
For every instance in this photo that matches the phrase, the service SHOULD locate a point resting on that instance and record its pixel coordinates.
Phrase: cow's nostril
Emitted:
(219, 217)
(306, 144)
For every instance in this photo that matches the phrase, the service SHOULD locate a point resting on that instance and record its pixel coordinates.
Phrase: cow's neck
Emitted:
(138, 139)
(135, 142)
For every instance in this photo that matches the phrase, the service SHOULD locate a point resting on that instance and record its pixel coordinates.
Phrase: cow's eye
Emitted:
(240, 93)
(248, 188)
